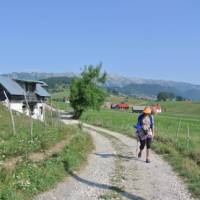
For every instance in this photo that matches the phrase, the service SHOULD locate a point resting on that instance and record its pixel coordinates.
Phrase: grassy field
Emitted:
(183, 155)
(129, 100)
(44, 134)
(60, 94)
(29, 178)
(183, 108)
(58, 100)
(61, 105)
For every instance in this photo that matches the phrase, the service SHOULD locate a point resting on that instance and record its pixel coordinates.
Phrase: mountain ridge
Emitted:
(131, 86)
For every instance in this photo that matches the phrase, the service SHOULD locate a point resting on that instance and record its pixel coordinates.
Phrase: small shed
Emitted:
(138, 109)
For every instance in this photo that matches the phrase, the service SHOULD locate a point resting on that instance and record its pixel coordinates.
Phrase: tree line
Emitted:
(164, 96)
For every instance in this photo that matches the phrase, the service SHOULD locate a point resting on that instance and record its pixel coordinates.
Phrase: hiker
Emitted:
(145, 131)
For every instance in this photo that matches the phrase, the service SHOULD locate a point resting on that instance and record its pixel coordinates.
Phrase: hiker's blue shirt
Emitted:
(140, 118)
(139, 129)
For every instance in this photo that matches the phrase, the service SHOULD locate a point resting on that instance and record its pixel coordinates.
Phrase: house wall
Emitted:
(17, 106)
(38, 111)
(159, 111)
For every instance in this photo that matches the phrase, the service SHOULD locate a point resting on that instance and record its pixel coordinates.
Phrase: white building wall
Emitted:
(38, 112)
(16, 106)
(159, 111)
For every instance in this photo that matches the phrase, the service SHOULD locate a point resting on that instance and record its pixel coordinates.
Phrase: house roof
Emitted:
(11, 86)
(138, 107)
(41, 91)
(30, 81)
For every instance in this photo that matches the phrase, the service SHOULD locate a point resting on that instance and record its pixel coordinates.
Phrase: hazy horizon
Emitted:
(110, 74)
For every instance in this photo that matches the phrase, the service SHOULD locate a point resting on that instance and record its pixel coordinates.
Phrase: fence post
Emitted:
(11, 114)
(157, 129)
(44, 118)
(51, 113)
(177, 131)
(30, 117)
(188, 137)
(168, 125)
(60, 119)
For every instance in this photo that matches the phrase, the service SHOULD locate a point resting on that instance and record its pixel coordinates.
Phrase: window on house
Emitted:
(41, 110)
(24, 107)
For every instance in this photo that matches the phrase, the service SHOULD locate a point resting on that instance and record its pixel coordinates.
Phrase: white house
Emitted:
(24, 96)
(157, 108)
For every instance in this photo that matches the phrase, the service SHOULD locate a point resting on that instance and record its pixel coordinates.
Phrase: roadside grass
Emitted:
(44, 134)
(185, 160)
(31, 178)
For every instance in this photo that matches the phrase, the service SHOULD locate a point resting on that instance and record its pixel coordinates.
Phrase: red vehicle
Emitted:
(123, 106)
(120, 106)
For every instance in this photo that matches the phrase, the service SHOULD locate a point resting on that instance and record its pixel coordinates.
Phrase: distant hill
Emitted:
(145, 90)
(57, 83)
(150, 88)
(123, 85)
(37, 75)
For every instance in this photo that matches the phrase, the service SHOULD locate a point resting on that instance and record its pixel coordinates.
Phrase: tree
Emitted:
(164, 96)
(85, 90)
(180, 98)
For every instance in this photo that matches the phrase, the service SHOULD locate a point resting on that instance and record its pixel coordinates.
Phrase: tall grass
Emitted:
(30, 178)
(44, 134)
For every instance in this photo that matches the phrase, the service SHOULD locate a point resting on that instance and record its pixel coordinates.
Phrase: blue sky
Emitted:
(147, 38)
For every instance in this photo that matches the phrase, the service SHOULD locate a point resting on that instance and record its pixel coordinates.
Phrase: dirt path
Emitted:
(114, 172)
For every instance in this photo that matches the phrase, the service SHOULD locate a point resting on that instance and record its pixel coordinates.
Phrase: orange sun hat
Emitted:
(147, 110)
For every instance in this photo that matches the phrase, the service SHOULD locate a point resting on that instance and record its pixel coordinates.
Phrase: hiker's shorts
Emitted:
(147, 141)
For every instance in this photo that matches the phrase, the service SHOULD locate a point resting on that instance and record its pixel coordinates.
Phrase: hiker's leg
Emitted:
(148, 144)
(142, 144)
(147, 154)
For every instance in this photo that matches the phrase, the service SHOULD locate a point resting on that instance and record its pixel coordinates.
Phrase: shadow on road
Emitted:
(107, 155)
(102, 186)
(66, 117)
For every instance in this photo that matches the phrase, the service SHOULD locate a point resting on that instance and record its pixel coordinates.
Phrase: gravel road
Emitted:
(114, 172)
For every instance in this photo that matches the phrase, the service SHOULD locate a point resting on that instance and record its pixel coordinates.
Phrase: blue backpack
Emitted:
(138, 126)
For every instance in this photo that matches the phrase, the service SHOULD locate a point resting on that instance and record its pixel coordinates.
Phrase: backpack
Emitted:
(140, 126)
